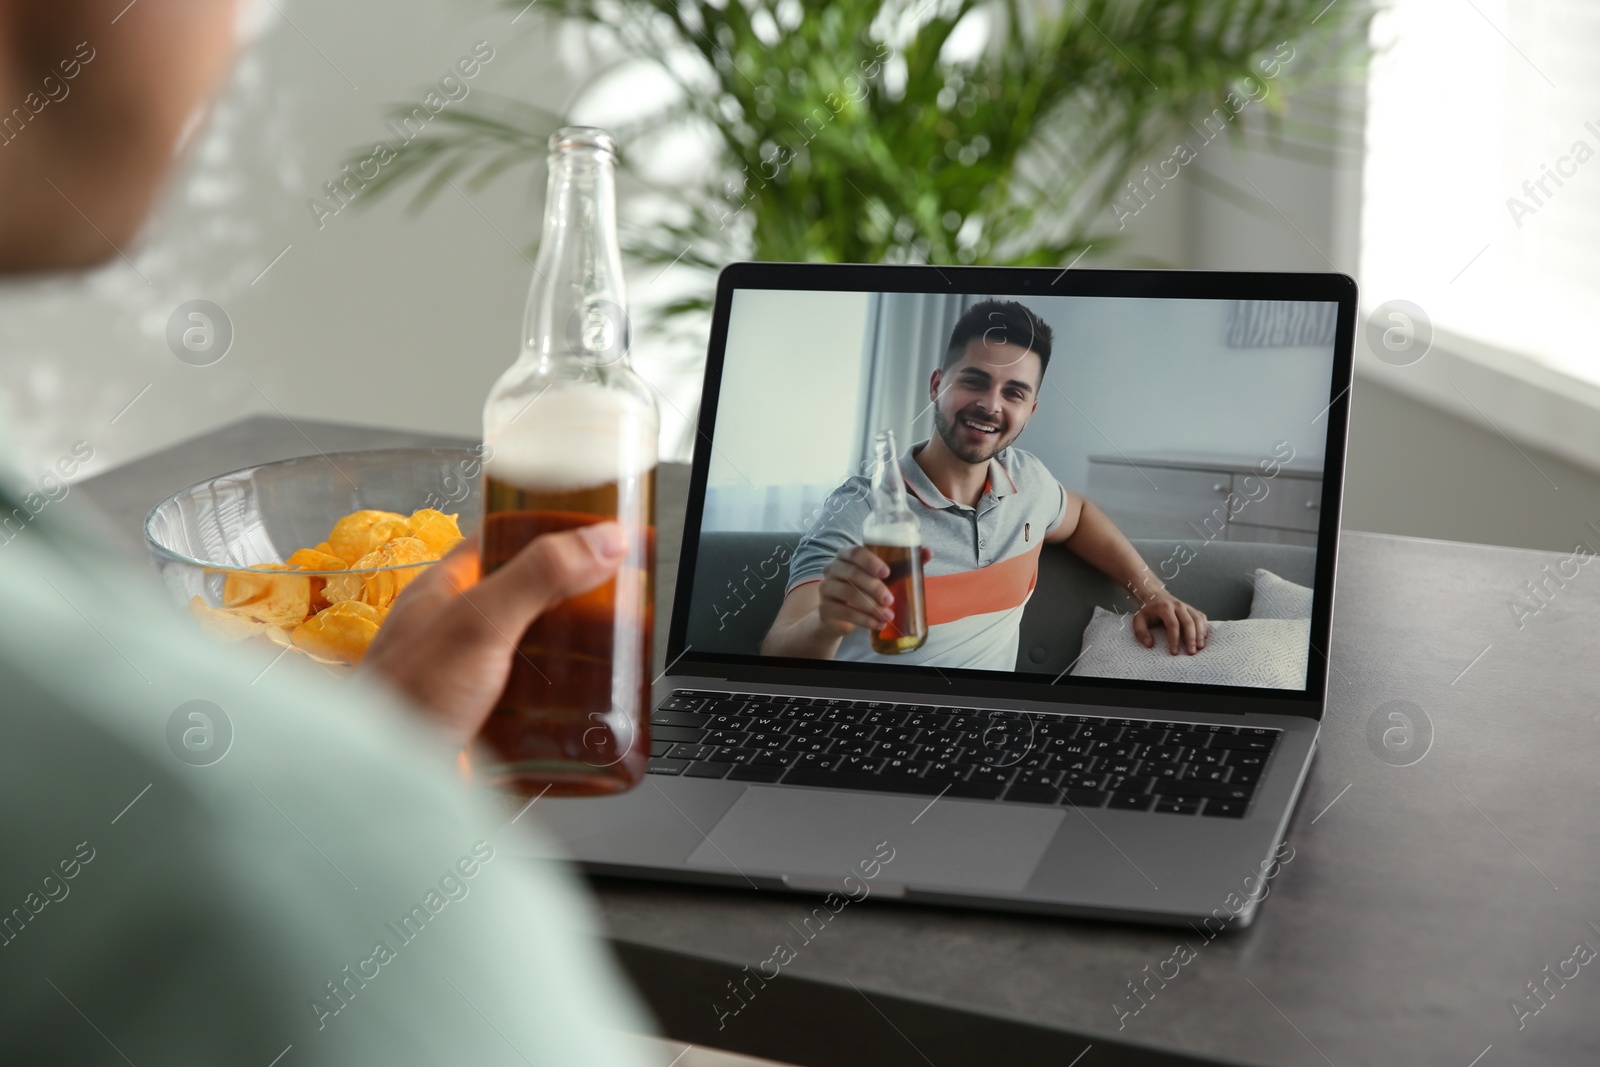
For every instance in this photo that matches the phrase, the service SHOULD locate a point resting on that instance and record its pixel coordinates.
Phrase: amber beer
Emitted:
(908, 630)
(571, 715)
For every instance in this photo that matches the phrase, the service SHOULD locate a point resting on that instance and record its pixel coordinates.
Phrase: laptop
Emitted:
(1092, 460)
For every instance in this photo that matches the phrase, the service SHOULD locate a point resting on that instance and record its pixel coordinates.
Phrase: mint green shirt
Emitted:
(328, 892)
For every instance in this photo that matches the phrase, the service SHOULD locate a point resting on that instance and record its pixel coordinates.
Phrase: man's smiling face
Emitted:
(983, 400)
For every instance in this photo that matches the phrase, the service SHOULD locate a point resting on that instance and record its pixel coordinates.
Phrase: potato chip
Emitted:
(340, 632)
(435, 529)
(280, 599)
(362, 531)
(382, 588)
(311, 559)
(224, 625)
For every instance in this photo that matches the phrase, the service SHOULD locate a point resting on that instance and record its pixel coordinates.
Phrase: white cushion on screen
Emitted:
(1266, 653)
(1279, 598)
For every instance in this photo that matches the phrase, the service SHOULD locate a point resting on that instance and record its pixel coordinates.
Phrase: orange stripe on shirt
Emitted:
(998, 587)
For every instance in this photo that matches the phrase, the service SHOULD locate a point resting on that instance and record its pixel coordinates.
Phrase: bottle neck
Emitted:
(577, 300)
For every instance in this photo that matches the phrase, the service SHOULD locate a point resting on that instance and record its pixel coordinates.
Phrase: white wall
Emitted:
(378, 317)
(1156, 376)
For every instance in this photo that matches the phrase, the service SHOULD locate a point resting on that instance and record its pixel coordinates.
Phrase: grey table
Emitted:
(1420, 901)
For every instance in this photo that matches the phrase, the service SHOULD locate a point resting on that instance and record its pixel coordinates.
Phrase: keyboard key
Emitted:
(1164, 754)
(1209, 757)
(945, 771)
(815, 760)
(896, 749)
(1178, 805)
(1083, 798)
(1244, 743)
(985, 773)
(940, 753)
(1128, 783)
(1168, 771)
(1035, 776)
(1057, 728)
(1033, 794)
(1112, 749)
(1130, 802)
(755, 772)
(808, 744)
(668, 766)
(1227, 809)
(1245, 776)
(719, 737)
(904, 766)
(1209, 790)
(1065, 746)
(1121, 766)
(679, 718)
(772, 758)
(864, 764)
(885, 783)
(1099, 731)
(802, 712)
(853, 729)
(1143, 736)
(660, 748)
(884, 716)
(854, 747)
(691, 752)
(707, 770)
(676, 733)
(679, 702)
(1199, 773)
(764, 739)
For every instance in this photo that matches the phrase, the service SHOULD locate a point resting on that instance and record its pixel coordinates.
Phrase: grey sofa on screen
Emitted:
(739, 581)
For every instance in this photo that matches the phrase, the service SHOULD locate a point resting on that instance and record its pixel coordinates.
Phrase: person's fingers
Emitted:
(549, 569)
(865, 559)
(872, 591)
(866, 596)
(834, 611)
(1141, 630)
(927, 554)
(1202, 627)
(1191, 629)
(1169, 621)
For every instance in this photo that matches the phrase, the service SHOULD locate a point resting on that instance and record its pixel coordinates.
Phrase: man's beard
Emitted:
(978, 452)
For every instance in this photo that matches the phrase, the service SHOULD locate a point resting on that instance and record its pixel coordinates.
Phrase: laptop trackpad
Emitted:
(819, 837)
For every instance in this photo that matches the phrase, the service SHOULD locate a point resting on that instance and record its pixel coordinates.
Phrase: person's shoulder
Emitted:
(844, 502)
(1027, 470)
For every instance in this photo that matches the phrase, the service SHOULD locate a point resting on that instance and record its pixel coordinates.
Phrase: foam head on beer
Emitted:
(574, 436)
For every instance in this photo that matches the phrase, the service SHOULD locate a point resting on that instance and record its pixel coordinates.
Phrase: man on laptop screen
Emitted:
(986, 510)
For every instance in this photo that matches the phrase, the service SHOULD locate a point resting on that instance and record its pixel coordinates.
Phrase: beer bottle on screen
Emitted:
(570, 436)
(892, 533)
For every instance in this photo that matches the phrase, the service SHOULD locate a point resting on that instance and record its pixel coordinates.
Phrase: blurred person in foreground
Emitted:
(329, 892)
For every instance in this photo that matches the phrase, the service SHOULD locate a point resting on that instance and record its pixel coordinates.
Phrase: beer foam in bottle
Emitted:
(891, 534)
(574, 436)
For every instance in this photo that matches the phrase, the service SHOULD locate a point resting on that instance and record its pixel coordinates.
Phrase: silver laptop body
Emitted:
(1243, 349)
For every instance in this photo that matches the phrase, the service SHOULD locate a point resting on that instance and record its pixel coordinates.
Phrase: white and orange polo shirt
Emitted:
(985, 560)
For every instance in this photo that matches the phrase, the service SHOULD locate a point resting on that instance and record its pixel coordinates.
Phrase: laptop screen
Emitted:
(1125, 490)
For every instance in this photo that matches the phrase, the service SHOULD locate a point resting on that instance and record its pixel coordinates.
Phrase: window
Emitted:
(1482, 182)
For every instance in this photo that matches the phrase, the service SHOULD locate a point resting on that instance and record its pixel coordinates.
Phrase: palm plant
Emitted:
(943, 131)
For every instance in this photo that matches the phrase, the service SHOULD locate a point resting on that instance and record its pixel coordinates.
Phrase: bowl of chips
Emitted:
(310, 554)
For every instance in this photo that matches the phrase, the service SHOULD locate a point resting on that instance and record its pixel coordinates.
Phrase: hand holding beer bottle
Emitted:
(571, 433)
(878, 586)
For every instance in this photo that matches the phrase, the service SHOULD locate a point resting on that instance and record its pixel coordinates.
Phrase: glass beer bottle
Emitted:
(570, 434)
(892, 533)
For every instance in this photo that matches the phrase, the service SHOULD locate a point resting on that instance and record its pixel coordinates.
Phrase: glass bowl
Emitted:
(208, 541)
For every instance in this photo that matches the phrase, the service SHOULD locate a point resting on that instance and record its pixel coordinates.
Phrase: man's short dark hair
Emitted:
(1002, 322)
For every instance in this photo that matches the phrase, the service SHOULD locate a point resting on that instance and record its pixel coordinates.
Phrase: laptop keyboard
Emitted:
(1022, 757)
